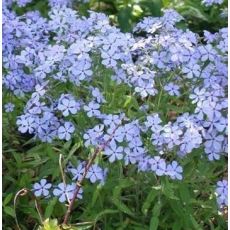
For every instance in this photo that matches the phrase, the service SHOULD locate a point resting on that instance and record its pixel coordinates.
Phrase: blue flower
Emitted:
(9, 107)
(68, 105)
(110, 58)
(26, 123)
(207, 53)
(158, 165)
(97, 95)
(82, 70)
(172, 89)
(22, 3)
(114, 152)
(198, 95)
(92, 109)
(95, 173)
(111, 120)
(78, 171)
(41, 188)
(65, 131)
(191, 70)
(213, 145)
(153, 122)
(66, 192)
(222, 193)
(94, 136)
(174, 170)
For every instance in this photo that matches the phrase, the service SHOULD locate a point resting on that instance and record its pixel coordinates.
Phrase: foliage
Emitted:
(127, 12)
(73, 83)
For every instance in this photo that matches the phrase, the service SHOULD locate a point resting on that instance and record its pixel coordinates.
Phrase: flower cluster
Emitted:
(64, 192)
(70, 53)
(52, 3)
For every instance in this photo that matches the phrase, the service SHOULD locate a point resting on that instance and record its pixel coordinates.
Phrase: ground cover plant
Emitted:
(105, 129)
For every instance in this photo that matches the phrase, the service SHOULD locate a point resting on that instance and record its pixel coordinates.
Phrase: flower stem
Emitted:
(86, 169)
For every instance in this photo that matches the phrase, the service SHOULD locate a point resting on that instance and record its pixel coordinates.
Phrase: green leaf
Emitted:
(72, 151)
(155, 214)
(154, 223)
(122, 207)
(177, 208)
(105, 212)
(95, 196)
(10, 211)
(150, 198)
(153, 7)
(7, 199)
(117, 196)
(194, 222)
(168, 191)
(84, 227)
(184, 193)
(50, 208)
(177, 225)
(124, 16)
(190, 10)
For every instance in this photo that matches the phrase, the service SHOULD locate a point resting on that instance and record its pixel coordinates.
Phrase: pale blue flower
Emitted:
(9, 107)
(114, 152)
(174, 170)
(65, 131)
(66, 192)
(41, 188)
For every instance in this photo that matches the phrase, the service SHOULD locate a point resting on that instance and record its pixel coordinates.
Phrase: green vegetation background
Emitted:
(128, 201)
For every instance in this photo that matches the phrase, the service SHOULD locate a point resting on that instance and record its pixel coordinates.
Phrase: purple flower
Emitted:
(55, 3)
(67, 105)
(145, 89)
(211, 109)
(190, 140)
(26, 123)
(79, 47)
(110, 58)
(119, 134)
(191, 70)
(112, 120)
(22, 3)
(92, 109)
(172, 135)
(149, 24)
(153, 122)
(143, 164)
(158, 165)
(82, 69)
(97, 95)
(174, 170)
(222, 193)
(9, 107)
(207, 53)
(41, 188)
(213, 141)
(114, 152)
(198, 95)
(95, 173)
(130, 156)
(172, 89)
(94, 136)
(77, 172)
(65, 131)
(66, 192)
